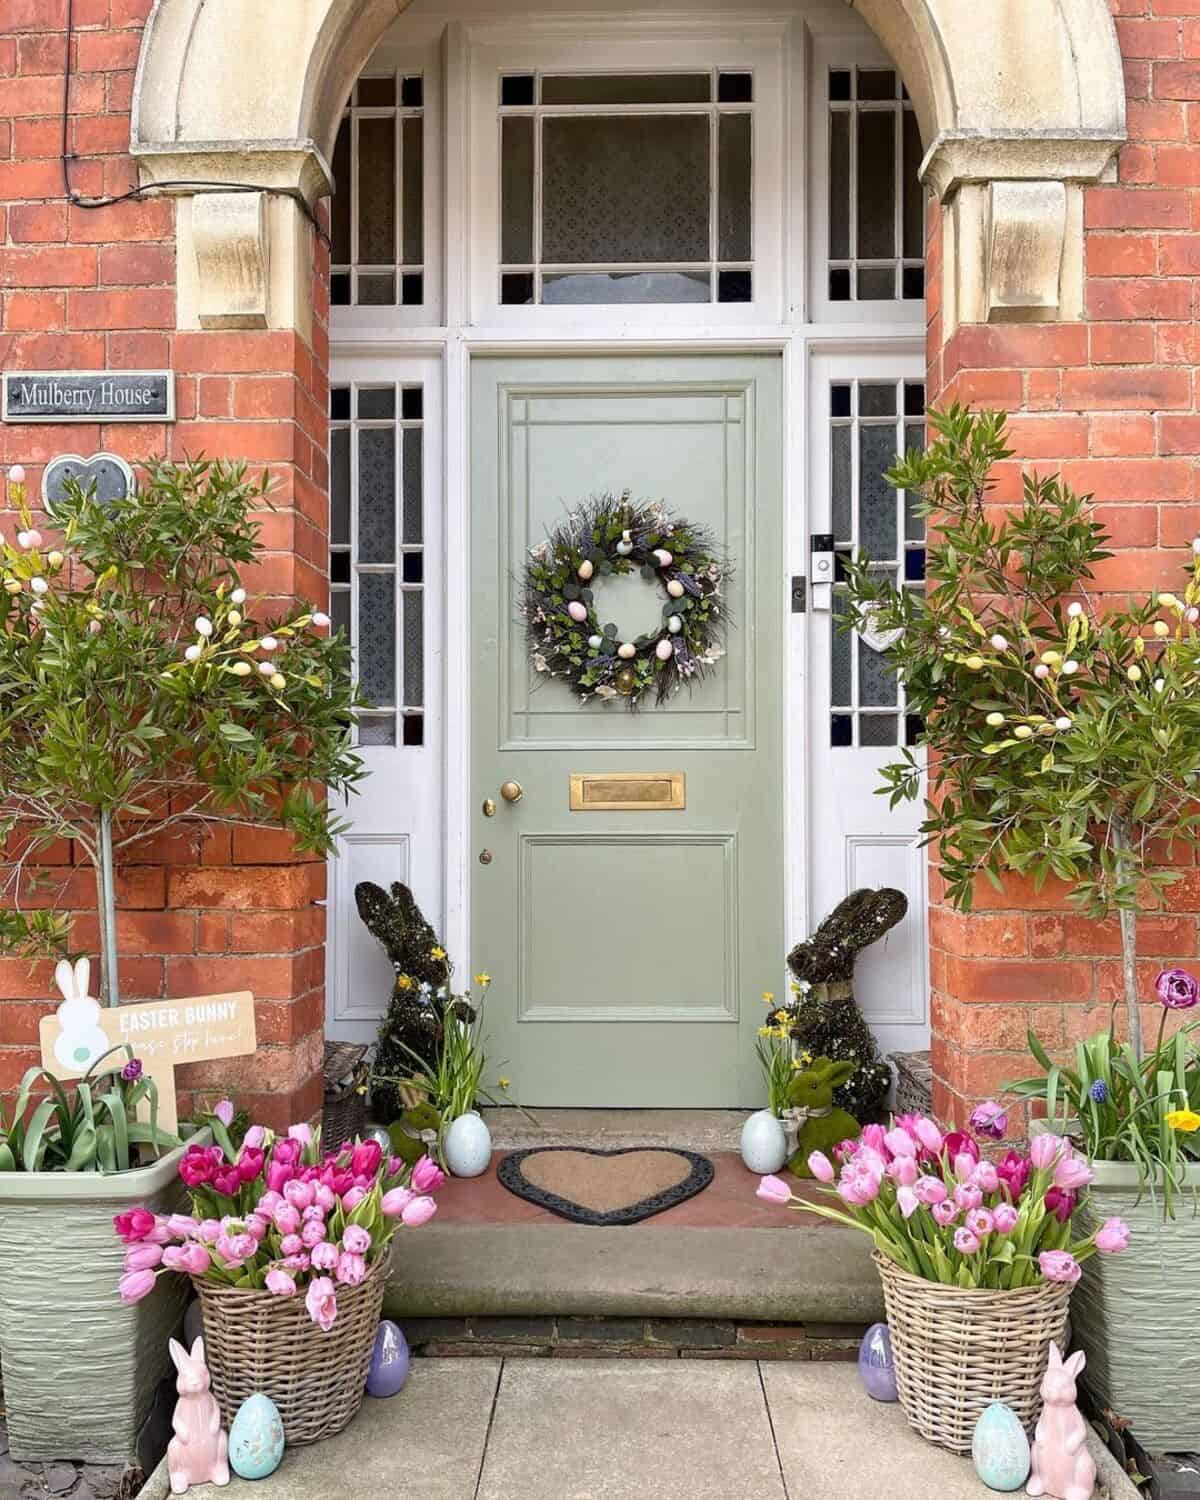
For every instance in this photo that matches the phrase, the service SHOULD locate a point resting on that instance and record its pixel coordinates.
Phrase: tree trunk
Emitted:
(106, 903)
(1128, 916)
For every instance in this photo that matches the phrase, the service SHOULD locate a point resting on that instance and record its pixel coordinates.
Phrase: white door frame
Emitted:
(605, 331)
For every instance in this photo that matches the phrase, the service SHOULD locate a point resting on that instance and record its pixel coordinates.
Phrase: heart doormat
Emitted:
(605, 1187)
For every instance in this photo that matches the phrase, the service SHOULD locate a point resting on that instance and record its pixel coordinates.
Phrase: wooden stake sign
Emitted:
(162, 1033)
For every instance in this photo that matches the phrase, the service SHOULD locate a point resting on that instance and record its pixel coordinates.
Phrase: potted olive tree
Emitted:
(1063, 739)
(138, 695)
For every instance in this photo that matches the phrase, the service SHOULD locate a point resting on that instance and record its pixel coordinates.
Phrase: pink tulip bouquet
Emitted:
(941, 1212)
(277, 1215)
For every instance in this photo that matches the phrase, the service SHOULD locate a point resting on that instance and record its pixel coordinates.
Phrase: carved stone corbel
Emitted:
(232, 249)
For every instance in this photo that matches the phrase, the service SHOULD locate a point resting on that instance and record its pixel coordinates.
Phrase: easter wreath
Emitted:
(607, 537)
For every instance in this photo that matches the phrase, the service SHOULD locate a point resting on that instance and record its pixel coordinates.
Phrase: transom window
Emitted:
(377, 227)
(626, 187)
(870, 422)
(876, 207)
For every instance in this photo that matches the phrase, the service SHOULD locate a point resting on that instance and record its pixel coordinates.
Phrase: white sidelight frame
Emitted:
(474, 46)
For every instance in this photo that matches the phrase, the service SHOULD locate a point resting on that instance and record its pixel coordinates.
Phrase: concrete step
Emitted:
(701, 1130)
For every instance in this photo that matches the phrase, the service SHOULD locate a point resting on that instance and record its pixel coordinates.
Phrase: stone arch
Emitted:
(1021, 102)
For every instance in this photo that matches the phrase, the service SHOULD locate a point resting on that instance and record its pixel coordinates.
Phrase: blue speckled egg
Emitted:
(1000, 1448)
(876, 1367)
(256, 1438)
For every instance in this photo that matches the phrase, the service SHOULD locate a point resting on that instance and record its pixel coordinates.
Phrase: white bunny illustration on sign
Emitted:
(82, 1040)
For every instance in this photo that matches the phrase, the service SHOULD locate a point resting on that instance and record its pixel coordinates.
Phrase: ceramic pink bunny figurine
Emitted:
(198, 1453)
(1062, 1466)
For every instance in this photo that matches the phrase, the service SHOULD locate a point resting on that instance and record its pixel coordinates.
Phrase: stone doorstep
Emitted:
(630, 1338)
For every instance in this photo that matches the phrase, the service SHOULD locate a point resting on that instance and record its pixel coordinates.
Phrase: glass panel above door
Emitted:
(579, 225)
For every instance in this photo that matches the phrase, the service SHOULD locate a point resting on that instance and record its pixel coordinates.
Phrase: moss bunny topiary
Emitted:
(824, 1126)
(824, 1017)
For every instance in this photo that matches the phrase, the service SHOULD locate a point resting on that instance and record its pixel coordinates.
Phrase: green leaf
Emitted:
(235, 734)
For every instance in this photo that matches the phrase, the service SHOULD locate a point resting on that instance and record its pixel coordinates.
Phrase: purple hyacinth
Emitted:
(132, 1070)
(1098, 1091)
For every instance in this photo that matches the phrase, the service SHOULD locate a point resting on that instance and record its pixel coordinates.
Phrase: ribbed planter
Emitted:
(1136, 1314)
(80, 1368)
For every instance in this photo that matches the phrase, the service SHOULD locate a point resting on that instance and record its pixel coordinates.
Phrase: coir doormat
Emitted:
(605, 1187)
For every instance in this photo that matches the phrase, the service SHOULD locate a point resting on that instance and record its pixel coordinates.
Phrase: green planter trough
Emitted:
(1136, 1314)
(80, 1369)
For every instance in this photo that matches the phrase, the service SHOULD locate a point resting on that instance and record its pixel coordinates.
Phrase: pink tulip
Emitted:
(257, 1226)
(172, 1258)
(874, 1136)
(985, 1177)
(418, 1212)
(964, 1166)
(990, 1119)
(255, 1137)
(1112, 1237)
(249, 1163)
(295, 1263)
(930, 1190)
(321, 1302)
(134, 1225)
(965, 1242)
(227, 1182)
(182, 1225)
(366, 1159)
(1005, 1217)
(325, 1255)
(323, 1196)
(907, 1201)
(356, 1239)
(269, 1204)
(944, 1213)
(223, 1110)
(980, 1222)
(208, 1231)
(427, 1176)
(302, 1133)
(1013, 1170)
(858, 1185)
(287, 1219)
(312, 1233)
(135, 1285)
(397, 1199)
(929, 1135)
(314, 1211)
(1060, 1203)
(821, 1167)
(279, 1173)
(967, 1197)
(144, 1257)
(900, 1143)
(196, 1260)
(1059, 1265)
(1044, 1151)
(903, 1170)
(351, 1268)
(299, 1194)
(1072, 1173)
(352, 1198)
(280, 1283)
(291, 1244)
(957, 1142)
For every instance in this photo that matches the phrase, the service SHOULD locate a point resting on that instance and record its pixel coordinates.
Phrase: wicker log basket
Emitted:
(344, 1106)
(255, 1341)
(956, 1350)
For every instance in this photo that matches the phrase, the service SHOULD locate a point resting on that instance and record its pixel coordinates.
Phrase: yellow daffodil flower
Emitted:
(503, 1082)
(438, 953)
(404, 982)
(483, 980)
(1184, 1120)
(768, 997)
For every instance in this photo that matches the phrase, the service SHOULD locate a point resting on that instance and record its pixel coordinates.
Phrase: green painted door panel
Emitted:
(628, 949)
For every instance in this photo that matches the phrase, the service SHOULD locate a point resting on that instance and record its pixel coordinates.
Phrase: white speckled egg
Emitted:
(1000, 1449)
(468, 1145)
(664, 651)
(595, 642)
(674, 624)
(764, 1144)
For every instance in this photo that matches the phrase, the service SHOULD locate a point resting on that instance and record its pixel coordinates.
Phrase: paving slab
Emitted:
(427, 1441)
(611, 1431)
(796, 1275)
(835, 1443)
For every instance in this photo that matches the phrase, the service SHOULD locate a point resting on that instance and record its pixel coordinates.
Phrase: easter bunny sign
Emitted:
(161, 1033)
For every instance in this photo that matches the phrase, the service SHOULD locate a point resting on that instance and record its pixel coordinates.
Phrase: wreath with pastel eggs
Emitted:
(610, 536)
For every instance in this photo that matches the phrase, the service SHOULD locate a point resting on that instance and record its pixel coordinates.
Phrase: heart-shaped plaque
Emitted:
(877, 640)
(605, 1187)
(111, 475)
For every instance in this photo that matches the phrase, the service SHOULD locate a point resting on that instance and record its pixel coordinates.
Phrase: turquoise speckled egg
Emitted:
(256, 1438)
(1000, 1448)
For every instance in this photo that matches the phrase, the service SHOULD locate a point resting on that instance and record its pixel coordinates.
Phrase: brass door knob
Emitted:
(512, 791)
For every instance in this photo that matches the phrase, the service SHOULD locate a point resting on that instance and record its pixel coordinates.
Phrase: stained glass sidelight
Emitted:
(377, 562)
(870, 422)
(377, 215)
(577, 225)
(876, 203)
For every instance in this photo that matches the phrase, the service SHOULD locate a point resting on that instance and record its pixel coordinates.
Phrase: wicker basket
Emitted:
(343, 1117)
(914, 1082)
(957, 1350)
(255, 1341)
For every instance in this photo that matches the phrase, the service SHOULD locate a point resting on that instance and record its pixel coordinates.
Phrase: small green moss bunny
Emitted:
(823, 1127)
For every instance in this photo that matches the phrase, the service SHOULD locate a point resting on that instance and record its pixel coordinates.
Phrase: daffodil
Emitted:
(438, 952)
(404, 982)
(1184, 1120)
(503, 1082)
(483, 980)
(768, 997)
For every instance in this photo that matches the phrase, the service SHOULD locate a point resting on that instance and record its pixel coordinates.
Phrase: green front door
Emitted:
(628, 947)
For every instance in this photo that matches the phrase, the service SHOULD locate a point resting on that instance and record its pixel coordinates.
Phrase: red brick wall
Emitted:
(1112, 403)
(92, 289)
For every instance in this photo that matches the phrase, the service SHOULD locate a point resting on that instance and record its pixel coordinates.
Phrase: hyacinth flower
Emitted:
(958, 1219)
(279, 1216)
